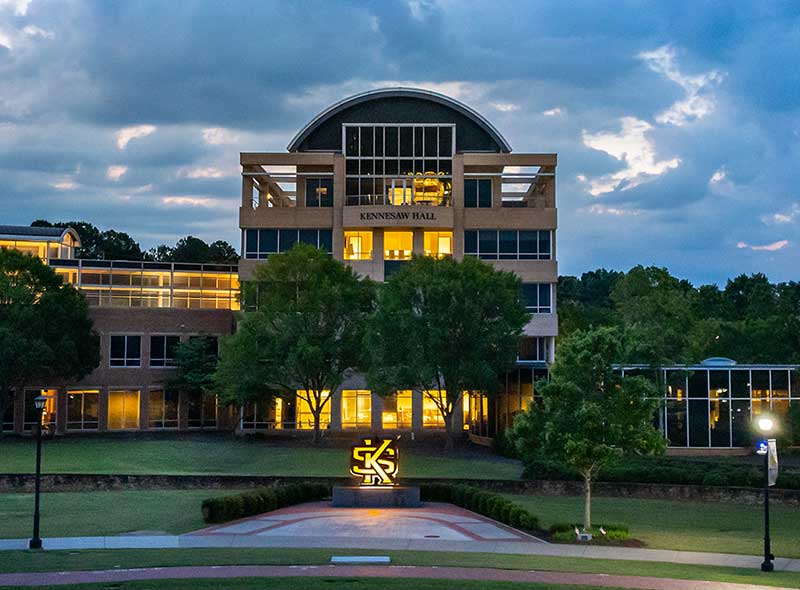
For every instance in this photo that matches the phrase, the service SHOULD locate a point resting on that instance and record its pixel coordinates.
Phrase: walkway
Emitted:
(364, 571)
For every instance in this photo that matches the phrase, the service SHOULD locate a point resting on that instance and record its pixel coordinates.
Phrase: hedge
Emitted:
(666, 470)
(232, 507)
(483, 502)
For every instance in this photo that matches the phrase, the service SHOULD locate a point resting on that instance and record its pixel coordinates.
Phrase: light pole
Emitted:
(765, 426)
(39, 403)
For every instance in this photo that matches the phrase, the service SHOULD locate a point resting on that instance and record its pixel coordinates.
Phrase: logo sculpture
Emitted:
(375, 462)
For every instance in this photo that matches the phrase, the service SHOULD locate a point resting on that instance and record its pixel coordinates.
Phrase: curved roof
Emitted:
(37, 233)
(401, 92)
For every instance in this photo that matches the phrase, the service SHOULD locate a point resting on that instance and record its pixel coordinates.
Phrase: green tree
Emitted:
(99, 245)
(221, 252)
(45, 329)
(305, 334)
(445, 327)
(590, 415)
(196, 364)
(192, 249)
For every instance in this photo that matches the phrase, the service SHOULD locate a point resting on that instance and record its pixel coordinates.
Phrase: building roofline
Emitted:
(36, 234)
(399, 91)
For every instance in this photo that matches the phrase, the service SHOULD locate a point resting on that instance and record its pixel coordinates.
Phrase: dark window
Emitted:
(487, 243)
(326, 240)
(445, 141)
(508, 244)
(471, 242)
(125, 351)
(251, 243)
(478, 192)
(309, 236)
(528, 244)
(319, 192)
(470, 193)
(267, 242)
(391, 141)
(288, 239)
(162, 350)
(537, 297)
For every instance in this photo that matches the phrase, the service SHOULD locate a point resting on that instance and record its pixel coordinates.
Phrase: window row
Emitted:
(399, 141)
(126, 350)
(397, 245)
(493, 244)
(260, 243)
(421, 186)
(755, 384)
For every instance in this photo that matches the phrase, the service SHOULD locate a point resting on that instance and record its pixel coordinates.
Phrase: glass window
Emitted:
(487, 243)
(698, 421)
(397, 410)
(357, 245)
(123, 409)
(740, 384)
(267, 242)
(537, 297)
(8, 416)
(478, 192)
(125, 351)
(471, 243)
(719, 411)
(356, 408)
(740, 422)
(201, 411)
(760, 392)
(398, 245)
(319, 192)
(32, 414)
(310, 237)
(438, 244)
(326, 240)
(431, 414)
(676, 421)
(508, 244)
(162, 350)
(780, 384)
(163, 409)
(533, 349)
(251, 243)
(288, 238)
(305, 417)
(82, 409)
(263, 415)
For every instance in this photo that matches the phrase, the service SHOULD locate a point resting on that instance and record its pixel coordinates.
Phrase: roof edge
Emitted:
(355, 99)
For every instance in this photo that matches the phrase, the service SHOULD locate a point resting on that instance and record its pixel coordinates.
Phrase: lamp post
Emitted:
(39, 403)
(765, 426)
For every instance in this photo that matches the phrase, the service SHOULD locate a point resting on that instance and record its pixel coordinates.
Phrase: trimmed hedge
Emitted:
(235, 506)
(666, 470)
(483, 502)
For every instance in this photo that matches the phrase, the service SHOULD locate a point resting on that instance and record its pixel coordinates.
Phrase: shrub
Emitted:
(561, 527)
(232, 507)
(483, 502)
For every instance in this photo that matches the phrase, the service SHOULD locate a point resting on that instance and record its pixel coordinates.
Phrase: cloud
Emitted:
(204, 172)
(116, 172)
(554, 112)
(5, 41)
(787, 216)
(698, 100)
(186, 201)
(504, 107)
(20, 7)
(219, 136)
(773, 247)
(64, 185)
(632, 146)
(615, 211)
(34, 31)
(127, 134)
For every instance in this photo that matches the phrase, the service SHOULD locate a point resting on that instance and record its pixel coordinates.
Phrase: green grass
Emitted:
(314, 583)
(190, 455)
(32, 561)
(688, 526)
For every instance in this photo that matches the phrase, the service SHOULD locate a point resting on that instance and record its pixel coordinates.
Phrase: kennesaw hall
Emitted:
(372, 180)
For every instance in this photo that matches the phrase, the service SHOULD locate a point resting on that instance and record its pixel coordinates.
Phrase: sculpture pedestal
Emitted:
(377, 497)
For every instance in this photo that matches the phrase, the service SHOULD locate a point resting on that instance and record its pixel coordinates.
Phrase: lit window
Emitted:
(356, 408)
(305, 417)
(123, 410)
(357, 245)
(397, 410)
(432, 400)
(125, 351)
(398, 245)
(438, 244)
(31, 413)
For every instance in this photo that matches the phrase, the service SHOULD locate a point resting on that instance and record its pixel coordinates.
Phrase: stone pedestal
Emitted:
(376, 497)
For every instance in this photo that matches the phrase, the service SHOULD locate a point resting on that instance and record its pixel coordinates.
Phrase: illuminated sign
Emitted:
(374, 461)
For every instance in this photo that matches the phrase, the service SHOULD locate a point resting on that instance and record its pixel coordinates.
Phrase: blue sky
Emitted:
(677, 124)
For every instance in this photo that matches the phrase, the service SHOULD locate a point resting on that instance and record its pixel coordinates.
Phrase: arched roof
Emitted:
(401, 93)
(38, 233)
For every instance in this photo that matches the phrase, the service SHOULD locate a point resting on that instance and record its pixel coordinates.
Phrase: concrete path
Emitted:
(344, 571)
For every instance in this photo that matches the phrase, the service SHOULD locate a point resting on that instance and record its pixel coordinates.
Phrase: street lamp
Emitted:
(765, 426)
(39, 403)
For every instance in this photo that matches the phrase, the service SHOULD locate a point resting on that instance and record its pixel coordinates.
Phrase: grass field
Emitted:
(30, 561)
(186, 455)
(687, 526)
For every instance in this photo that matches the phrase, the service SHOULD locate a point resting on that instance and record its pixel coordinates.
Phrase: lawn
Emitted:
(189, 455)
(687, 526)
(31, 561)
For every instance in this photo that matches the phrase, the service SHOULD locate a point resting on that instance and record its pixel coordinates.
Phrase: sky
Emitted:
(677, 124)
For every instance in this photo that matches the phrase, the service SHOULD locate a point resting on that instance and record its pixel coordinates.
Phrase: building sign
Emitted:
(398, 216)
(374, 461)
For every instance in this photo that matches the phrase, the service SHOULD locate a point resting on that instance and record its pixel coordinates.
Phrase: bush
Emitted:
(483, 502)
(562, 531)
(235, 506)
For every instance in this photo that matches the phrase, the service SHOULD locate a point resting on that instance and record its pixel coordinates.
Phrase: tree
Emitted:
(192, 249)
(196, 363)
(221, 252)
(99, 245)
(445, 327)
(590, 415)
(45, 329)
(305, 334)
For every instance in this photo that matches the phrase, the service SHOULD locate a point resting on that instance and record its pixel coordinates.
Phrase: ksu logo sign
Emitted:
(374, 461)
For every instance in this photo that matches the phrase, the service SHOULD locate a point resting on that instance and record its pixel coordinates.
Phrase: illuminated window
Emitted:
(357, 245)
(82, 409)
(397, 410)
(162, 350)
(125, 351)
(398, 245)
(305, 417)
(163, 409)
(123, 409)
(477, 192)
(319, 192)
(438, 244)
(31, 413)
(431, 414)
(356, 408)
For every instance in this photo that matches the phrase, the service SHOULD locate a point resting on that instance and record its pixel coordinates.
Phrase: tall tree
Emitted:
(445, 327)
(306, 332)
(192, 249)
(590, 415)
(45, 329)
(196, 363)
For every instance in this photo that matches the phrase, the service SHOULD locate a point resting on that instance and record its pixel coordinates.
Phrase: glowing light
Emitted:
(375, 462)
(765, 424)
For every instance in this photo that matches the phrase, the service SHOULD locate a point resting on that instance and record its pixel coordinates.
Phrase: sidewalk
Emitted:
(509, 547)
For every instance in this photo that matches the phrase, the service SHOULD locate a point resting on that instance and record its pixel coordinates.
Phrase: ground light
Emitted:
(766, 425)
(39, 403)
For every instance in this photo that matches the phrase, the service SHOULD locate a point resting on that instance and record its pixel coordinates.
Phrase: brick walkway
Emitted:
(363, 571)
